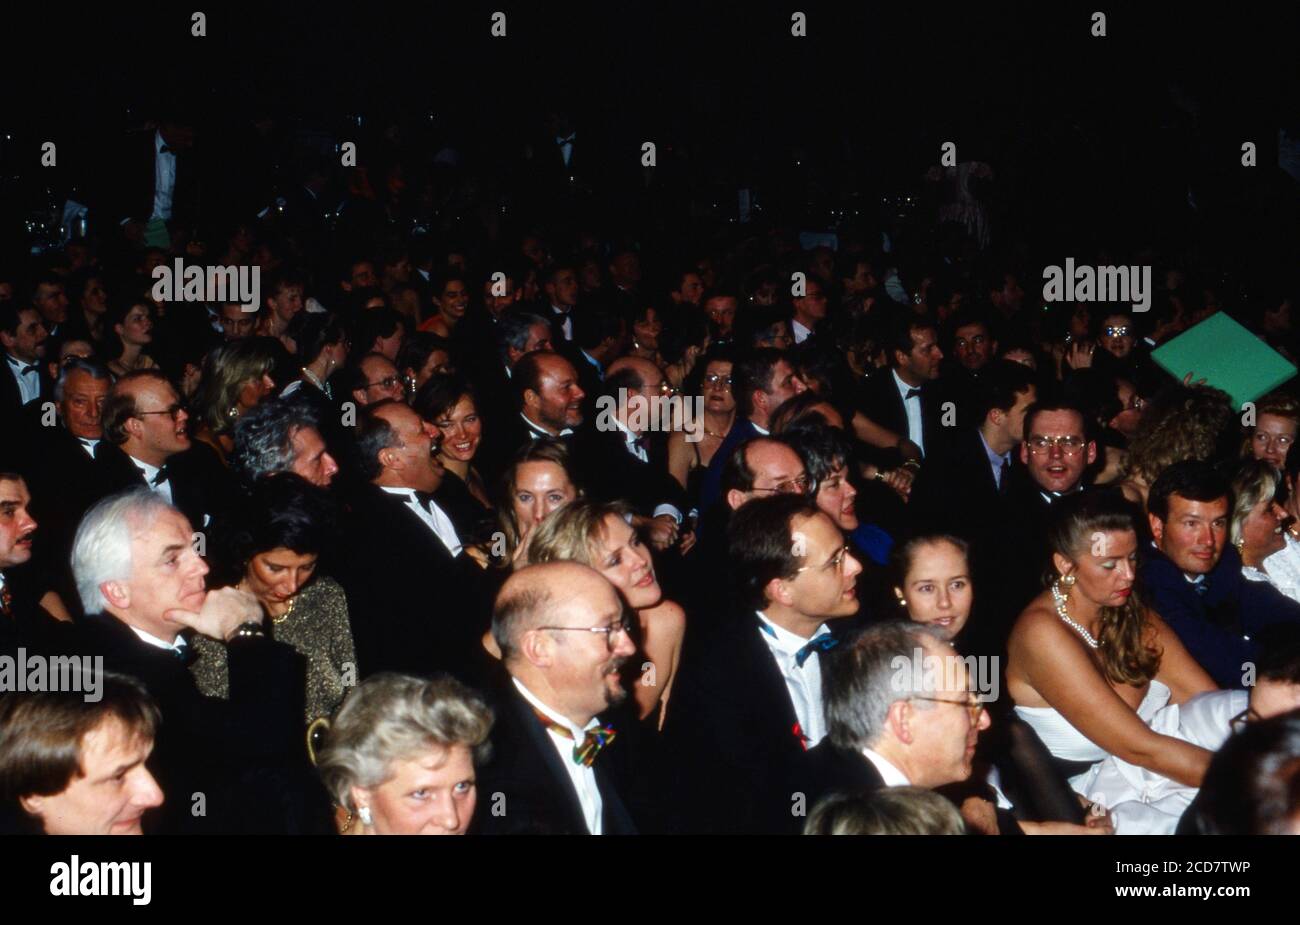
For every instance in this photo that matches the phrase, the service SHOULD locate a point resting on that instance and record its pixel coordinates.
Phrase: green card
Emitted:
(1226, 356)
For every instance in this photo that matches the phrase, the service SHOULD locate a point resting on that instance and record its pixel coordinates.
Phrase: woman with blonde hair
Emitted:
(601, 535)
(399, 757)
(1268, 552)
(236, 377)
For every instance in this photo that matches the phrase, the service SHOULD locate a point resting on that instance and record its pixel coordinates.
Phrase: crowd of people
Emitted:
(580, 534)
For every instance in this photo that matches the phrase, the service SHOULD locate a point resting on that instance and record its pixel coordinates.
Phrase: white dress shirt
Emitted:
(29, 382)
(433, 516)
(801, 333)
(178, 646)
(912, 406)
(162, 489)
(564, 320)
(888, 771)
(537, 430)
(804, 685)
(566, 146)
(88, 445)
(583, 778)
(164, 180)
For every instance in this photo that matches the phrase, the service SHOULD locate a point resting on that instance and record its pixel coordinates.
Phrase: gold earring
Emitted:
(1068, 580)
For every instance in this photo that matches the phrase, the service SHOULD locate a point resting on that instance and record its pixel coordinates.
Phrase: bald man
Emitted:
(566, 759)
(623, 453)
(417, 603)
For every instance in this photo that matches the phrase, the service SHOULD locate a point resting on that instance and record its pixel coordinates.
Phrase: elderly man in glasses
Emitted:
(145, 434)
(560, 764)
(747, 700)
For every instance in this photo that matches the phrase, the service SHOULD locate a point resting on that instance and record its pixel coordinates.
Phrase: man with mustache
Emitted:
(1193, 575)
(556, 767)
(22, 621)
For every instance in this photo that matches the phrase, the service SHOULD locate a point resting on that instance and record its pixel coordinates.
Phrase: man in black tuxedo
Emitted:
(971, 349)
(762, 379)
(415, 598)
(23, 623)
(234, 765)
(62, 474)
(905, 400)
(516, 334)
(555, 767)
(1193, 575)
(623, 453)
(899, 713)
(550, 404)
(50, 300)
(560, 289)
(145, 444)
(599, 338)
(154, 182)
(963, 487)
(747, 703)
(1054, 454)
(23, 379)
(808, 311)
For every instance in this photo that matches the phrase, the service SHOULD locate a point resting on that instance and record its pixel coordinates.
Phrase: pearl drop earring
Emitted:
(364, 813)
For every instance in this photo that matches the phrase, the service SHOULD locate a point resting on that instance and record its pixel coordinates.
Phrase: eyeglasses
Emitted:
(974, 706)
(1069, 444)
(387, 382)
(1121, 331)
(623, 627)
(1242, 719)
(835, 562)
(664, 388)
(799, 485)
(173, 410)
(713, 381)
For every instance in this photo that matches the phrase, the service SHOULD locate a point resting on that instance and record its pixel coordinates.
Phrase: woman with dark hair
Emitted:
(236, 377)
(423, 356)
(646, 325)
(681, 344)
(688, 459)
(322, 348)
(270, 546)
(449, 402)
(1090, 665)
(128, 331)
(89, 306)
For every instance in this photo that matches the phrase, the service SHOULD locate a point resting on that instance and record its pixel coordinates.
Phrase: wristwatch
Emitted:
(248, 630)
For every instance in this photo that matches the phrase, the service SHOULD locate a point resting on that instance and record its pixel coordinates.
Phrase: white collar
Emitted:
(784, 640)
(797, 328)
(577, 732)
(158, 143)
(903, 387)
(540, 429)
(762, 430)
(889, 771)
(153, 640)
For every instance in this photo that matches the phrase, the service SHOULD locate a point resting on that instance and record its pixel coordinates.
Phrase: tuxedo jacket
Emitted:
(881, 402)
(191, 488)
(608, 471)
(414, 607)
(524, 788)
(507, 435)
(245, 755)
(735, 756)
(27, 625)
(1220, 628)
(127, 182)
(16, 419)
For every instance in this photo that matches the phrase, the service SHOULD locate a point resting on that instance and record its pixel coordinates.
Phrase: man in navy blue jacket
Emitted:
(1193, 577)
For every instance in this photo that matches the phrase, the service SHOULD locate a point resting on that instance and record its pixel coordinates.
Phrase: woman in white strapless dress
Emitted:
(1090, 668)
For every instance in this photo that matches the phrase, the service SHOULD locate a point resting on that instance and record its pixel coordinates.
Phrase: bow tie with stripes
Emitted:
(584, 752)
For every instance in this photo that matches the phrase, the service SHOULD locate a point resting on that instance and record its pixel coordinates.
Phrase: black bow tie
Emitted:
(425, 500)
(911, 393)
(24, 370)
(166, 150)
(162, 476)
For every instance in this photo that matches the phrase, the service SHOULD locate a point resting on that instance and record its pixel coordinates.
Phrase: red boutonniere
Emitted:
(798, 734)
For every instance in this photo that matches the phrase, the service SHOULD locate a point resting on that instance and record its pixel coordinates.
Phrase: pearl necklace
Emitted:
(1065, 616)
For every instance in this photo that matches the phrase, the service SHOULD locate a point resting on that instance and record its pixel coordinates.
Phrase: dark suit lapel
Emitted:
(544, 748)
(763, 682)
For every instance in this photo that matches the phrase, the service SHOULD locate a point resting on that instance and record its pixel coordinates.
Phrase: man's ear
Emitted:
(1157, 528)
(360, 396)
(1024, 452)
(899, 720)
(531, 398)
(1092, 452)
(537, 648)
(735, 498)
(778, 592)
(117, 593)
(32, 805)
(389, 459)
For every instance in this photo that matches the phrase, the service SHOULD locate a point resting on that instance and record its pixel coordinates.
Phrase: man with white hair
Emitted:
(141, 582)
